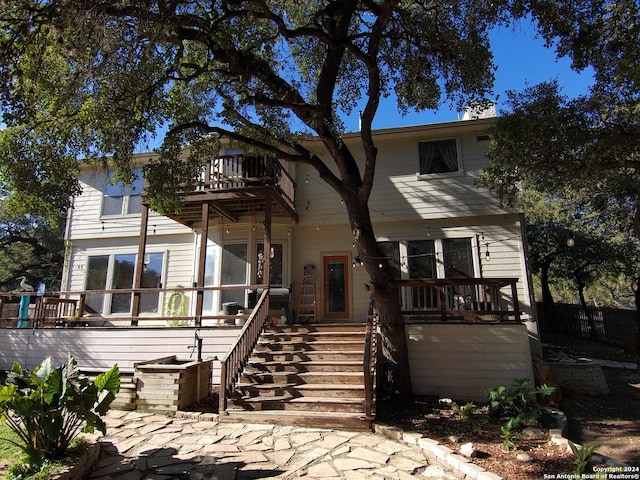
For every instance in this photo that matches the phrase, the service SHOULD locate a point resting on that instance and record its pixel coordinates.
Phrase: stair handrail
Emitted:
(369, 362)
(236, 359)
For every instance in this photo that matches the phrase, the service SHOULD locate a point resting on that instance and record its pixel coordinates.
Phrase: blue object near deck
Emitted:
(23, 312)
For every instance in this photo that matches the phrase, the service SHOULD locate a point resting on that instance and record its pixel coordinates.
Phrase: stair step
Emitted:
(307, 355)
(304, 390)
(305, 377)
(320, 345)
(304, 366)
(319, 404)
(342, 420)
(331, 327)
(314, 336)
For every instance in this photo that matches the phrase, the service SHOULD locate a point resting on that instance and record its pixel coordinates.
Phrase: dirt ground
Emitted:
(611, 421)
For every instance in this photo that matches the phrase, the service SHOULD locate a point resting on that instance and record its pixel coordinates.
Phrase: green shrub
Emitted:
(466, 411)
(519, 405)
(48, 407)
(584, 457)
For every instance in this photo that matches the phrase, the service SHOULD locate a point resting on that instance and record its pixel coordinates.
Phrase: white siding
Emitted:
(102, 347)
(87, 221)
(463, 361)
(398, 192)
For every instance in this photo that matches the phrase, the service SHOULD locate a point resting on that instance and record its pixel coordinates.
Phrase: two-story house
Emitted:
(460, 256)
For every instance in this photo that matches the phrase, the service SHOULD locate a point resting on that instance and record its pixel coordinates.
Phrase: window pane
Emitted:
(440, 156)
(123, 268)
(234, 271)
(457, 258)
(275, 277)
(151, 278)
(137, 185)
(97, 268)
(422, 260)
(210, 279)
(234, 264)
(337, 300)
(391, 250)
(135, 204)
(113, 190)
(112, 205)
(135, 192)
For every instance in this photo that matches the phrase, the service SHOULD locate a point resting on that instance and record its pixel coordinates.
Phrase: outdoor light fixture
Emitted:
(487, 255)
(570, 240)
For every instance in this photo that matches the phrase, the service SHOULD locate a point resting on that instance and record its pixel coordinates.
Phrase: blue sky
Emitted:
(521, 60)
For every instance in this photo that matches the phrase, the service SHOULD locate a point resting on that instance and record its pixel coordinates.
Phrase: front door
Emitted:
(336, 287)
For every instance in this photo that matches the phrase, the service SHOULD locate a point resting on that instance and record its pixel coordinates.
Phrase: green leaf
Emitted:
(109, 380)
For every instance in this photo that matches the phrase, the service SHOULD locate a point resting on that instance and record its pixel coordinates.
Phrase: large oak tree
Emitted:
(94, 79)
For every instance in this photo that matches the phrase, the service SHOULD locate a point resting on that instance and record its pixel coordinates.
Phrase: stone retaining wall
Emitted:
(583, 377)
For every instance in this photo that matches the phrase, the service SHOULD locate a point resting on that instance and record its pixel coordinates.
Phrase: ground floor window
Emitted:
(116, 272)
(439, 258)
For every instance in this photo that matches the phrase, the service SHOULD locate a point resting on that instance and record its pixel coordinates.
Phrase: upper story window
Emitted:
(438, 156)
(122, 199)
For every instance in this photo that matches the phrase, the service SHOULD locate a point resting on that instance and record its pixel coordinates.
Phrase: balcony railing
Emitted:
(239, 172)
(173, 307)
(460, 300)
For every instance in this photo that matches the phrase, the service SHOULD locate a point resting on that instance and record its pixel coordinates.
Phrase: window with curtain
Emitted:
(438, 156)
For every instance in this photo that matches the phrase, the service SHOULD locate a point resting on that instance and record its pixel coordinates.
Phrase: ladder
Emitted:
(307, 300)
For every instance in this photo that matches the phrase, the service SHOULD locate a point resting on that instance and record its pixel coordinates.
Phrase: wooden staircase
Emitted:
(309, 375)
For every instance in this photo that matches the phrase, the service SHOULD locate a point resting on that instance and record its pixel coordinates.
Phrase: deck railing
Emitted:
(234, 362)
(173, 307)
(460, 299)
(369, 363)
(240, 171)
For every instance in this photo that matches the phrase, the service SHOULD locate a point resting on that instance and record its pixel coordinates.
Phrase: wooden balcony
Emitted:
(464, 300)
(236, 186)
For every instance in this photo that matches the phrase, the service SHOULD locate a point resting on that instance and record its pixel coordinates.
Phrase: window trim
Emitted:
(434, 176)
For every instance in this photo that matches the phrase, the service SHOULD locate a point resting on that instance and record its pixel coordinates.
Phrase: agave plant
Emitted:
(48, 407)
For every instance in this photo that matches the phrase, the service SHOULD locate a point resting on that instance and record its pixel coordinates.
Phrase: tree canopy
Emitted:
(91, 79)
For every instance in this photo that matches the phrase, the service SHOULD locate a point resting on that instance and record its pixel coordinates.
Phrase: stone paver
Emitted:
(144, 446)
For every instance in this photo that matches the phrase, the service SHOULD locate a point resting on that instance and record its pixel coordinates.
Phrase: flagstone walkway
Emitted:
(141, 446)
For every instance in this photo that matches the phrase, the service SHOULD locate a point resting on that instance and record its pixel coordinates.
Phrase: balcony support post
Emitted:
(266, 279)
(202, 260)
(137, 279)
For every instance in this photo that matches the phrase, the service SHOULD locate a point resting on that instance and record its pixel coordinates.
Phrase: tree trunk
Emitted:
(548, 306)
(396, 379)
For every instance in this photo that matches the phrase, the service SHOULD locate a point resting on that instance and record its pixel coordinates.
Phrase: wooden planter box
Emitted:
(170, 384)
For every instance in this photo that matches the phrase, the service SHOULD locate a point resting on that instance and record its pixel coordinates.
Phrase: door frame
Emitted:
(326, 259)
